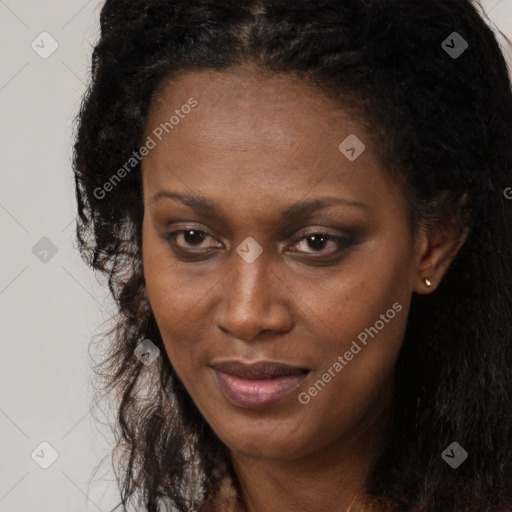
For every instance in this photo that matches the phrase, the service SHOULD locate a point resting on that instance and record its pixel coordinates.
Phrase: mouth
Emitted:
(257, 385)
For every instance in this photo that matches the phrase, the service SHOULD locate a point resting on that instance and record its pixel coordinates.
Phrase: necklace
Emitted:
(349, 507)
(231, 498)
(353, 501)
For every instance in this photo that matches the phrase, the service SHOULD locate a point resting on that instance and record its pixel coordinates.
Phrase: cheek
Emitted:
(171, 293)
(363, 316)
(355, 296)
(354, 380)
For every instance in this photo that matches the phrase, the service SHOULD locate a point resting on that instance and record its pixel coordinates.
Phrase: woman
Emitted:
(301, 208)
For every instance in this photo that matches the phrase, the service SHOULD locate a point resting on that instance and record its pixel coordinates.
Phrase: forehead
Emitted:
(240, 108)
(269, 136)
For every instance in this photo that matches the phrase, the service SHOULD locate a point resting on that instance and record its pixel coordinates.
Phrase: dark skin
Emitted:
(255, 144)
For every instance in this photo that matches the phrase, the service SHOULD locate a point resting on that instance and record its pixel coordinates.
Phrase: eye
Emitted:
(319, 241)
(184, 241)
(190, 238)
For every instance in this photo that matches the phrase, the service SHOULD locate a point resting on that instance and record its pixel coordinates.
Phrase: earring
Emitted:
(427, 282)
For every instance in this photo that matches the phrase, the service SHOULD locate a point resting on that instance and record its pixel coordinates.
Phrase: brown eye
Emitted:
(319, 241)
(192, 238)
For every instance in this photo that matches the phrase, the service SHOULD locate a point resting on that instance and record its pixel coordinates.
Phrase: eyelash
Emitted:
(343, 242)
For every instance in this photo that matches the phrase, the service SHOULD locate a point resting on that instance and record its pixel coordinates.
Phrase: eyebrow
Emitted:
(294, 210)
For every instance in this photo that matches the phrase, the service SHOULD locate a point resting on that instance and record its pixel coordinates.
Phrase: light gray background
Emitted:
(50, 310)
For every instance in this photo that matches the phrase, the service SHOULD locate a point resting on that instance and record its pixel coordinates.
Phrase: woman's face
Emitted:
(264, 183)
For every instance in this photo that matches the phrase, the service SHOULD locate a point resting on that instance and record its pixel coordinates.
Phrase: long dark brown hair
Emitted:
(442, 123)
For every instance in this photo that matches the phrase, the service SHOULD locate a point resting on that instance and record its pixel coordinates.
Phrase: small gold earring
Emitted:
(427, 282)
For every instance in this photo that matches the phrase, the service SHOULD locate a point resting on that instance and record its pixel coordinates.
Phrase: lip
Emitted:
(257, 385)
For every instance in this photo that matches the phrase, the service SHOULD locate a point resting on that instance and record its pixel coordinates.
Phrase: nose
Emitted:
(255, 300)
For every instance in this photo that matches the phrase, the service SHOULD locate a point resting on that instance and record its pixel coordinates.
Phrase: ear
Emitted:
(436, 248)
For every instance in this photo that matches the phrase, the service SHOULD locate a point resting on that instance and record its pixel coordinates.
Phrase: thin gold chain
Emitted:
(234, 507)
(348, 509)
(353, 500)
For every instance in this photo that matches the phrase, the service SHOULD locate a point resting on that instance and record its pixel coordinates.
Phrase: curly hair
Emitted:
(442, 124)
